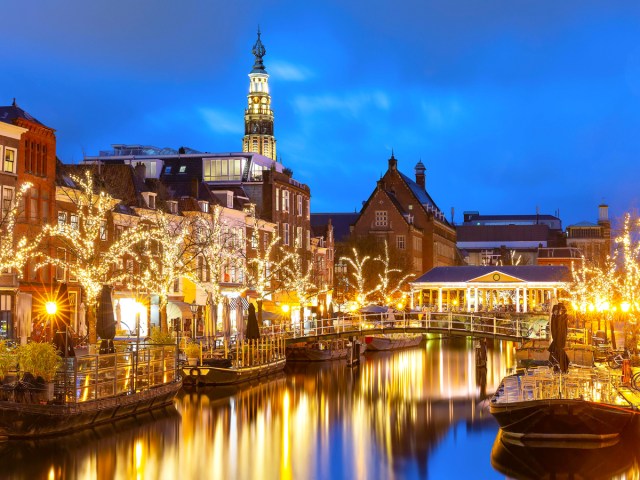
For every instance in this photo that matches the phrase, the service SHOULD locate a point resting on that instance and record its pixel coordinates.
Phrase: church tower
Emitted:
(258, 117)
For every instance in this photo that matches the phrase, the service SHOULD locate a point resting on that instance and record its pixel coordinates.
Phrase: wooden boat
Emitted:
(92, 390)
(212, 375)
(393, 341)
(536, 352)
(582, 405)
(321, 351)
(249, 360)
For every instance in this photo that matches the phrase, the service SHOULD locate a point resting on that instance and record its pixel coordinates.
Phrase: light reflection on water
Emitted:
(409, 414)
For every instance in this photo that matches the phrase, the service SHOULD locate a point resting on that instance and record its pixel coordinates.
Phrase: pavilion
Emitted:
(527, 288)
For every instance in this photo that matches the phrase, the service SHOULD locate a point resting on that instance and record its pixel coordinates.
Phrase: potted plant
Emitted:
(40, 360)
(7, 359)
(192, 351)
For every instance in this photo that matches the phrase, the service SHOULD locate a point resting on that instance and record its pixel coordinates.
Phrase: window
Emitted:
(298, 237)
(33, 205)
(204, 206)
(103, 231)
(129, 266)
(62, 220)
(183, 169)
(308, 240)
(8, 194)
(285, 233)
(45, 207)
(277, 199)
(285, 200)
(381, 218)
(400, 242)
(172, 206)
(72, 271)
(74, 221)
(299, 205)
(176, 285)
(10, 164)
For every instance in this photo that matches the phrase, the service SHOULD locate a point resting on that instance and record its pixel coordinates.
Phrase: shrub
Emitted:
(159, 337)
(8, 359)
(39, 359)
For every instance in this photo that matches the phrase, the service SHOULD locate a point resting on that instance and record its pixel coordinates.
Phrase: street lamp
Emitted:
(51, 308)
(194, 310)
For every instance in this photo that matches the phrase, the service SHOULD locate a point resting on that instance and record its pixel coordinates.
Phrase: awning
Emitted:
(233, 303)
(179, 309)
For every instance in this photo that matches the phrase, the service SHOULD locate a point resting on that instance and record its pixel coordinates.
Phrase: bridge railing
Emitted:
(470, 323)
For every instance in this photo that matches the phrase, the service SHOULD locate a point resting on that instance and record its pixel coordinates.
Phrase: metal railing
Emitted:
(94, 377)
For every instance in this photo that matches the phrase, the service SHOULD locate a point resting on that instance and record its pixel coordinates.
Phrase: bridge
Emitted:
(447, 323)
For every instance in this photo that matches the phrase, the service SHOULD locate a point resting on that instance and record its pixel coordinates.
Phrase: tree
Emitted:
(299, 282)
(89, 256)
(14, 252)
(391, 279)
(357, 278)
(266, 262)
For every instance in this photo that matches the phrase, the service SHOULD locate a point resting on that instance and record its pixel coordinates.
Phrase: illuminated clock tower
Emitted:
(258, 117)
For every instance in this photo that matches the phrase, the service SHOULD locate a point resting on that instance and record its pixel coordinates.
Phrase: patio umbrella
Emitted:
(557, 355)
(226, 318)
(239, 318)
(62, 321)
(106, 324)
(373, 309)
(253, 331)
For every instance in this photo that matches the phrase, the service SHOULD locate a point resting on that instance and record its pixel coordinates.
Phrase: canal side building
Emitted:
(528, 288)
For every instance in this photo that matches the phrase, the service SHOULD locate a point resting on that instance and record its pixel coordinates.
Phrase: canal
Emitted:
(419, 413)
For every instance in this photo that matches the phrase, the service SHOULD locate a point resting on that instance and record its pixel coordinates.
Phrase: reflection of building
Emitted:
(593, 240)
(487, 288)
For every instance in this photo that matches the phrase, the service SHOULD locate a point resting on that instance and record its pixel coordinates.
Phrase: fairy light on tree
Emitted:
(89, 255)
(390, 283)
(357, 278)
(266, 263)
(14, 252)
(169, 254)
(299, 281)
(628, 256)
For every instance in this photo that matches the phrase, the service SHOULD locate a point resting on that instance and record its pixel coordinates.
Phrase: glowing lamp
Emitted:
(400, 305)
(590, 307)
(625, 306)
(51, 308)
(285, 308)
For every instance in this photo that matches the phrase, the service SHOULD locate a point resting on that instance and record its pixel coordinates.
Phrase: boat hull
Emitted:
(310, 354)
(536, 352)
(31, 421)
(561, 419)
(378, 343)
(207, 375)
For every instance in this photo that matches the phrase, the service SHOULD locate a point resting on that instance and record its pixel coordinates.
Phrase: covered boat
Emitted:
(320, 351)
(536, 352)
(392, 341)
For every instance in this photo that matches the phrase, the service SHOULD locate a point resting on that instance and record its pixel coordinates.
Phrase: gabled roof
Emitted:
(583, 224)
(12, 112)
(528, 273)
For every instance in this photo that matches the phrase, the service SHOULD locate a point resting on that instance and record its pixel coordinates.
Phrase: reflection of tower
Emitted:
(258, 117)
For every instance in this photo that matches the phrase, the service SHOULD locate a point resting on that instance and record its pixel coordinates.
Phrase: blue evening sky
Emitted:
(510, 104)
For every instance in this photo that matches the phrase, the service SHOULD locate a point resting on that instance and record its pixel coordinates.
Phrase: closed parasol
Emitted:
(240, 326)
(106, 323)
(557, 355)
(62, 321)
(253, 331)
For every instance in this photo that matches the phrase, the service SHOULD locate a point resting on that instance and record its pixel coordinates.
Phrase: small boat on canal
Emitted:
(394, 341)
(320, 351)
(536, 352)
(584, 404)
(91, 390)
(249, 360)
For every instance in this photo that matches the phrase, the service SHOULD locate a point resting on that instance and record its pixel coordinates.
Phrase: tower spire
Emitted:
(258, 51)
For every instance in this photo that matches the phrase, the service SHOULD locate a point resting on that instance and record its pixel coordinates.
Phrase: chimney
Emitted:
(141, 171)
(420, 175)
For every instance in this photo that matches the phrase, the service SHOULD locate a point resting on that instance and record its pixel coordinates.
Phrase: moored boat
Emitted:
(392, 341)
(581, 405)
(320, 351)
(91, 390)
(250, 360)
(536, 352)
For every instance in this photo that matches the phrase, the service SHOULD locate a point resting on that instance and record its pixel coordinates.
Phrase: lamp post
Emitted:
(51, 308)
(194, 311)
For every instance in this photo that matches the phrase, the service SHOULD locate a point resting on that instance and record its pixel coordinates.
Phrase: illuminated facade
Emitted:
(258, 117)
(593, 240)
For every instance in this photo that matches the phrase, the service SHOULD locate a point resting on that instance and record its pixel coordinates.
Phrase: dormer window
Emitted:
(183, 169)
(150, 199)
(167, 169)
(172, 206)
(204, 206)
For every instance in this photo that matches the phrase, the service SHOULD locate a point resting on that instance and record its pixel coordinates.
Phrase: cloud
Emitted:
(289, 72)
(349, 104)
(222, 122)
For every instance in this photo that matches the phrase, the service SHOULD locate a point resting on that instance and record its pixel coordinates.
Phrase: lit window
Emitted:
(277, 199)
(298, 237)
(103, 231)
(285, 200)
(10, 160)
(183, 168)
(299, 205)
(74, 221)
(8, 194)
(62, 220)
(400, 242)
(285, 233)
